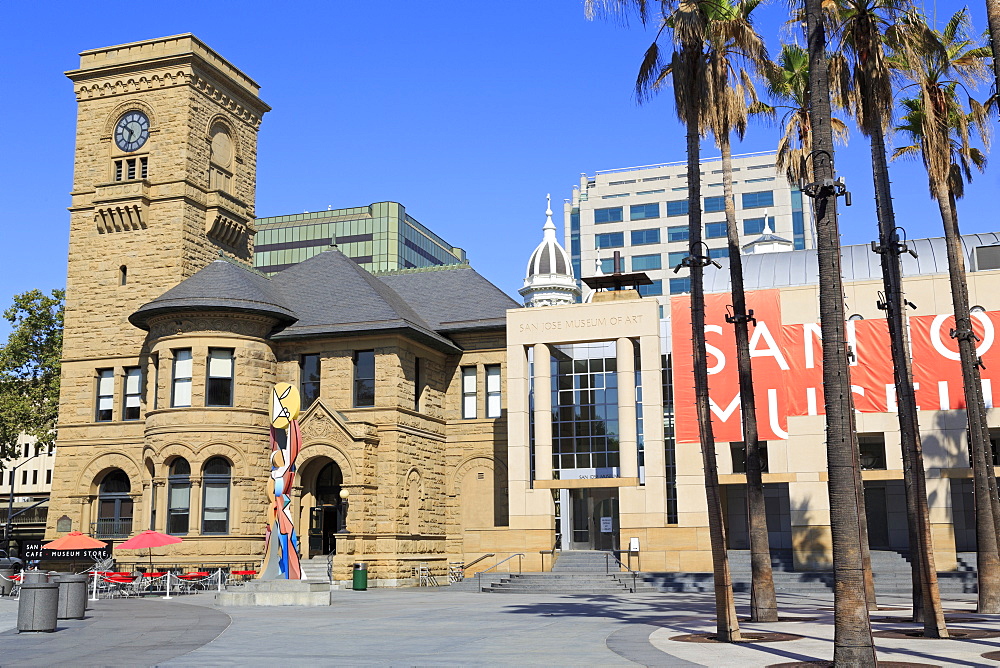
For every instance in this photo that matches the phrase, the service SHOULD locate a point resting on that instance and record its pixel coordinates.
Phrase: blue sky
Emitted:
(467, 113)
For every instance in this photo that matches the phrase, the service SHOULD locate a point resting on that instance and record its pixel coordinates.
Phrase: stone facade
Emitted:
(415, 471)
(131, 239)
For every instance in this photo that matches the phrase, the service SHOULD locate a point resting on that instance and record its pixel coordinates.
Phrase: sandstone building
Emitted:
(457, 423)
(172, 342)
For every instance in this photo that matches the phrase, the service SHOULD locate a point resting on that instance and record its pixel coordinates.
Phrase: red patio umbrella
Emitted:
(74, 540)
(148, 539)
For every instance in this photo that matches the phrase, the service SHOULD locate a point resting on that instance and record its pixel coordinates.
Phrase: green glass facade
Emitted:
(379, 237)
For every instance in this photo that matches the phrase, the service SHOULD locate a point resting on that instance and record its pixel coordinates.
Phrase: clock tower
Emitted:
(164, 183)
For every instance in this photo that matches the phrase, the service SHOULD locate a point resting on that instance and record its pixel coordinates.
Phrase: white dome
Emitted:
(548, 279)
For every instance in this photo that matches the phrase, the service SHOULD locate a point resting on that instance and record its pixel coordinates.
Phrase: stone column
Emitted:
(194, 507)
(151, 377)
(627, 438)
(543, 412)
(86, 505)
(237, 489)
(160, 485)
(652, 411)
(138, 510)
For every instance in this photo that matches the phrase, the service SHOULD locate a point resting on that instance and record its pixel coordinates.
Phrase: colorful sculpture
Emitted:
(281, 545)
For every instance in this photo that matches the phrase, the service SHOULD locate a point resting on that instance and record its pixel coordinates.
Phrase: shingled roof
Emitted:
(432, 295)
(331, 295)
(221, 286)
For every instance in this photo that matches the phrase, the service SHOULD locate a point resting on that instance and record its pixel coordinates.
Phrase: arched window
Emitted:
(114, 510)
(215, 506)
(179, 497)
(220, 172)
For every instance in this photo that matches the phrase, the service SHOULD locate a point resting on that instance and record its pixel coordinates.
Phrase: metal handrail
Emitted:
(479, 579)
(477, 560)
(607, 566)
(552, 552)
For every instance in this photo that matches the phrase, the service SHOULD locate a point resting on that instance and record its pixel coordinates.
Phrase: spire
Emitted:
(549, 228)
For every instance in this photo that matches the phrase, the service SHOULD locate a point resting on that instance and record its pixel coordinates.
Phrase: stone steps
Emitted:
(316, 569)
(574, 572)
(577, 572)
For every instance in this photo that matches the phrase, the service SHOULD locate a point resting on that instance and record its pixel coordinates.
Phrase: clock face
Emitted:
(132, 131)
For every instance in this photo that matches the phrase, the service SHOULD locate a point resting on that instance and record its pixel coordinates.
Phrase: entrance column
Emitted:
(543, 412)
(628, 447)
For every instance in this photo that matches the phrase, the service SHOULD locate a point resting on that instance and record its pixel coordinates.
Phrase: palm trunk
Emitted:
(993, 21)
(727, 624)
(853, 644)
(866, 553)
(763, 602)
(926, 595)
(979, 444)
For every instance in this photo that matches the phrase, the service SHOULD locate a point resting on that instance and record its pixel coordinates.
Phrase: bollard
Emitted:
(37, 606)
(6, 583)
(72, 596)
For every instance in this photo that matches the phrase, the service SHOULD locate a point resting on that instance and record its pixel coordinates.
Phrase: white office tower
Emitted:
(642, 212)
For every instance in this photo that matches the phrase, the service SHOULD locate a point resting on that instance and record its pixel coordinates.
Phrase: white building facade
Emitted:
(642, 213)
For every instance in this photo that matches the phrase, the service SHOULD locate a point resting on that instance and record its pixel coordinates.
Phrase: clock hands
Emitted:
(132, 131)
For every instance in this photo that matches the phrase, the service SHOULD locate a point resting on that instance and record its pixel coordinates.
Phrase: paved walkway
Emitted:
(406, 627)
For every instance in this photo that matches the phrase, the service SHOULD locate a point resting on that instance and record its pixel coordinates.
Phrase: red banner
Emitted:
(787, 363)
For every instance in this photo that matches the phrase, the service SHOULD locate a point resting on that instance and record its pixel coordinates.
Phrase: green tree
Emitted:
(993, 25)
(861, 26)
(853, 645)
(29, 369)
(685, 26)
(937, 122)
(787, 84)
(733, 47)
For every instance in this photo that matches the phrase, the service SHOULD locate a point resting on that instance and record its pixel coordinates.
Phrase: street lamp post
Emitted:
(343, 510)
(10, 502)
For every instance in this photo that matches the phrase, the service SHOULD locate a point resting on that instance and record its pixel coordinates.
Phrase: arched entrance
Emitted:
(326, 516)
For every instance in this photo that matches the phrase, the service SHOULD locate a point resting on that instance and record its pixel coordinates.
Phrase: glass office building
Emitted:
(379, 237)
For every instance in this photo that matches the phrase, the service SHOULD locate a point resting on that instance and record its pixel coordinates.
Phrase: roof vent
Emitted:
(987, 257)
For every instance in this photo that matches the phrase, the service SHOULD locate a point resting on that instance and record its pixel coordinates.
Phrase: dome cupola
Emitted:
(548, 280)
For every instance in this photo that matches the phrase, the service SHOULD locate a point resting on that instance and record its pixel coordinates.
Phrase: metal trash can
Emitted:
(38, 605)
(72, 596)
(360, 576)
(6, 583)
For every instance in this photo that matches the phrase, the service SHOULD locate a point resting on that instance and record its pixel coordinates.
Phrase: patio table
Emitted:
(189, 581)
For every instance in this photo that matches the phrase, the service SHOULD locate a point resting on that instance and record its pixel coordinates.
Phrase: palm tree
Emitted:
(788, 85)
(853, 643)
(993, 22)
(937, 62)
(685, 25)
(732, 38)
(860, 24)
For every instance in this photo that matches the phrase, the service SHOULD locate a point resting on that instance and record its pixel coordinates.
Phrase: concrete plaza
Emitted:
(409, 627)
